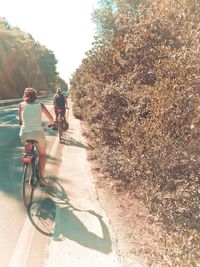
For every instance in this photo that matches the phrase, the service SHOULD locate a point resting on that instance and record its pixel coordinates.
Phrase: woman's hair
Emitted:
(30, 95)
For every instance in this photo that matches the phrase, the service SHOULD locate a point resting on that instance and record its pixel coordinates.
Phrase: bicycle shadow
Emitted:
(61, 215)
(69, 141)
(52, 160)
(49, 131)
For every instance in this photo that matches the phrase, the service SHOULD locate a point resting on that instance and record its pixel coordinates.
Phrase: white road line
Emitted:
(7, 122)
(20, 255)
(23, 245)
(8, 107)
(53, 151)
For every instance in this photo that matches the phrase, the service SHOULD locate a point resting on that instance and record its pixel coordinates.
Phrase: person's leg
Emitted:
(65, 124)
(41, 149)
(63, 113)
(56, 114)
(27, 147)
(56, 119)
(42, 163)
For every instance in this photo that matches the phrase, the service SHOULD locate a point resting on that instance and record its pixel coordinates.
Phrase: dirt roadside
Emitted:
(140, 239)
(139, 236)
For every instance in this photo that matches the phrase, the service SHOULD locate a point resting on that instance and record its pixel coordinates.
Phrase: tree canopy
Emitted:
(24, 63)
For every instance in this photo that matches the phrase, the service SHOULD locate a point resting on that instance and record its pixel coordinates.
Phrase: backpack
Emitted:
(59, 101)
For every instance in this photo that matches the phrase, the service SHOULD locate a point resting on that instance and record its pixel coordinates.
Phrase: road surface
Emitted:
(82, 235)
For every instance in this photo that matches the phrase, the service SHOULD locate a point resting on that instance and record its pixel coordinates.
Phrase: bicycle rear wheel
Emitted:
(27, 184)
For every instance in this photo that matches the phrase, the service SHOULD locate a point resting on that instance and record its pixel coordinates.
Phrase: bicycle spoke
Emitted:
(42, 216)
(27, 184)
(47, 225)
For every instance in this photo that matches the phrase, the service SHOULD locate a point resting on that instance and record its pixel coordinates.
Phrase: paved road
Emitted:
(82, 235)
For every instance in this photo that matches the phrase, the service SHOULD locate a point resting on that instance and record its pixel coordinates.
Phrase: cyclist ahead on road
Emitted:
(30, 119)
(60, 102)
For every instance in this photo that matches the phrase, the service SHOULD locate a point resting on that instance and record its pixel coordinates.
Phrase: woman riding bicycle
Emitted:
(30, 118)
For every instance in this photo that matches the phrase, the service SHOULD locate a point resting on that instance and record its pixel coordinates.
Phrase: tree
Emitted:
(138, 92)
(4, 24)
(24, 63)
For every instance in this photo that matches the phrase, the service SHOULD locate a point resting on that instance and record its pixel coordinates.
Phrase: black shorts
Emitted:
(62, 112)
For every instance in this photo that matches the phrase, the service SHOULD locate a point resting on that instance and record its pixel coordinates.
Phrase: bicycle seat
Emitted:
(59, 110)
(32, 141)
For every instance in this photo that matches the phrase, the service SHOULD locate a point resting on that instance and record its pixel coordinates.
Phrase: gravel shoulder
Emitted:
(139, 236)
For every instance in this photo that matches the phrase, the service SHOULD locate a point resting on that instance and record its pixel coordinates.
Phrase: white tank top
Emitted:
(31, 118)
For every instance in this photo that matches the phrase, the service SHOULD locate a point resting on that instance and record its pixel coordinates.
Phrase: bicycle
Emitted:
(62, 124)
(30, 177)
(30, 173)
(42, 212)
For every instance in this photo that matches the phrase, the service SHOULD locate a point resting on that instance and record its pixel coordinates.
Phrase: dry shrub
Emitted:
(139, 94)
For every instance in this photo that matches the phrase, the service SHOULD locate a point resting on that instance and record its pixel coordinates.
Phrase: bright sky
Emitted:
(63, 26)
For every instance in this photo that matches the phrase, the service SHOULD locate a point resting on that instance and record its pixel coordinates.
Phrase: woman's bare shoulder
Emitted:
(21, 104)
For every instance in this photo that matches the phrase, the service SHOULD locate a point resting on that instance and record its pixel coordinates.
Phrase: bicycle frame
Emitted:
(30, 174)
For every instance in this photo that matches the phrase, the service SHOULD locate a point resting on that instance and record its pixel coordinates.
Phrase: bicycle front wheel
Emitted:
(60, 130)
(27, 184)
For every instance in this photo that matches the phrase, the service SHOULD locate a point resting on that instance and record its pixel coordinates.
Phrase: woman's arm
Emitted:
(66, 104)
(47, 113)
(20, 113)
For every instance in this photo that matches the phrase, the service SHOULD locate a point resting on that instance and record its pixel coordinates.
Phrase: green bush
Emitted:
(138, 91)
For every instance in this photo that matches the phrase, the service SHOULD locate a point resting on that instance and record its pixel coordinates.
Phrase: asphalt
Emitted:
(81, 232)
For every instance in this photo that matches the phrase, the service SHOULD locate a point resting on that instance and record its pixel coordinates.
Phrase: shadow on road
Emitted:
(52, 160)
(54, 215)
(49, 131)
(11, 166)
(69, 141)
(10, 161)
(66, 140)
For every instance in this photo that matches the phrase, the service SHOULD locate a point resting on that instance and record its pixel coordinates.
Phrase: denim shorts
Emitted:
(37, 136)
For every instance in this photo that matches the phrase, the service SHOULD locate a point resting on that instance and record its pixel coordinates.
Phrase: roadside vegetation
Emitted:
(25, 63)
(138, 92)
